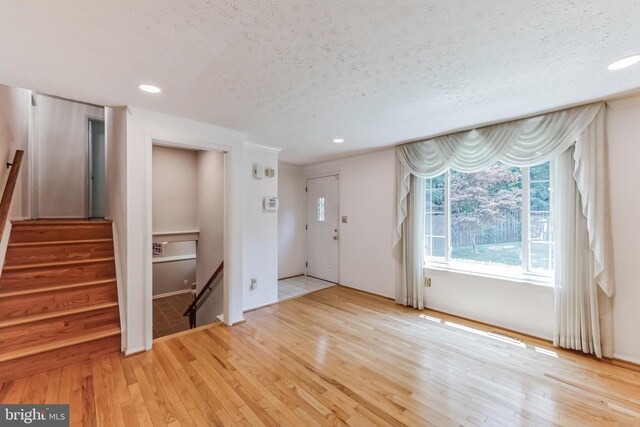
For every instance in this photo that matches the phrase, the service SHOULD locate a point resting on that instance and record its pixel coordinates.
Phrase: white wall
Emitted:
(175, 189)
(15, 105)
(260, 230)
(116, 178)
(169, 273)
(169, 277)
(260, 260)
(211, 200)
(62, 157)
(366, 197)
(291, 221)
(624, 160)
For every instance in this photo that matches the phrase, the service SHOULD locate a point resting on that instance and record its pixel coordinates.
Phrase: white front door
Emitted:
(322, 228)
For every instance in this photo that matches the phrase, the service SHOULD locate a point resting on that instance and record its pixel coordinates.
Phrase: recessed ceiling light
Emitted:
(150, 88)
(338, 140)
(625, 62)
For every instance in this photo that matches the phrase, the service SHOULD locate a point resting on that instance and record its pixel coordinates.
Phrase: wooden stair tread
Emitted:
(55, 314)
(64, 263)
(43, 289)
(58, 295)
(57, 242)
(36, 349)
(45, 222)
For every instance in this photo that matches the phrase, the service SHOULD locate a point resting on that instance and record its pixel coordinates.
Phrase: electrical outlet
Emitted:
(427, 282)
(254, 284)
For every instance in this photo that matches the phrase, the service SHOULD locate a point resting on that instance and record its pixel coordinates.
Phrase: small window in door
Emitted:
(320, 209)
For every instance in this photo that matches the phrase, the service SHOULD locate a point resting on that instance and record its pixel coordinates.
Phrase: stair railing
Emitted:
(193, 308)
(7, 195)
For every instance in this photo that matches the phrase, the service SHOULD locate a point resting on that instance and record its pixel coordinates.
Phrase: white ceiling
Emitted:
(296, 74)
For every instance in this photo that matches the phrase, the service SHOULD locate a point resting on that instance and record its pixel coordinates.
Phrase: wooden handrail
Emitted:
(7, 195)
(191, 311)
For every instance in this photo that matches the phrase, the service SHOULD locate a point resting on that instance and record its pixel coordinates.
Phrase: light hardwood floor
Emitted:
(341, 357)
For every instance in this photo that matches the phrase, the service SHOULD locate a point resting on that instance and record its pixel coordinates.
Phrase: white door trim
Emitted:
(232, 231)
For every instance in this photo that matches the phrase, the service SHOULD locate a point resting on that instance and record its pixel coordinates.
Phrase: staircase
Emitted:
(58, 296)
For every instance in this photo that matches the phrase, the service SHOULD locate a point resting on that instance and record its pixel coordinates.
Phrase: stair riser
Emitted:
(57, 358)
(49, 233)
(57, 253)
(63, 299)
(34, 277)
(49, 330)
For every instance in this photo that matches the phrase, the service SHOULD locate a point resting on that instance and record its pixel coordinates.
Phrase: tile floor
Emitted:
(167, 314)
(300, 285)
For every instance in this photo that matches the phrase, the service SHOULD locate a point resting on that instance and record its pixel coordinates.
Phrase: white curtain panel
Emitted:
(526, 142)
(583, 277)
(410, 253)
(577, 324)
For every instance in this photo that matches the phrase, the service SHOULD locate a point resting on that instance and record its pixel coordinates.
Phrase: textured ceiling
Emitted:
(296, 74)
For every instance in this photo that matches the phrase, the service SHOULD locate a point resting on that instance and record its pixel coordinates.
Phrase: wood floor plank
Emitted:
(341, 357)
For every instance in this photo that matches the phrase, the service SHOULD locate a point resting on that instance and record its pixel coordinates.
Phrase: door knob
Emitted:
(335, 237)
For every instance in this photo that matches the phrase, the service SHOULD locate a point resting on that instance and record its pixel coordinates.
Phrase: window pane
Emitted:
(320, 209)
(540, 226)
(540, 220)
(539, 196)
(486, 225)
(435, 194)
(541, 256)
(435, 200)
(434, 247)
(540, 172)
(434, 225)
(436, 183)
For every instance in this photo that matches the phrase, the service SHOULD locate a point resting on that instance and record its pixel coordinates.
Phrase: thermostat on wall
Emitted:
(271, 204)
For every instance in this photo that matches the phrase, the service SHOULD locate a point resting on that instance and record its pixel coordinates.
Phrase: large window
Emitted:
(497, 220)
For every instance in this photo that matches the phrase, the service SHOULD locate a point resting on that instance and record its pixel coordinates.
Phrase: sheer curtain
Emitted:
(526, 142)
(412, 248)
(583, 283)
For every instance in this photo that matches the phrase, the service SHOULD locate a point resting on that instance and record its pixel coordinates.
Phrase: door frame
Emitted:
(89, 169)
(306, 218)
(230, 261)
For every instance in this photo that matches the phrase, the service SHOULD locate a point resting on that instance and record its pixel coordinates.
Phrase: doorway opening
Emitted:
(67, 161)
(97, 174)
(323, 228)
(188, 200)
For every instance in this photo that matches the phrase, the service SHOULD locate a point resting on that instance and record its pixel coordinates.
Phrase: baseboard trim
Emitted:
(134, 351)
(626, 359)
(291, 277)
(625, 362)
(365, 292)
(259, 307)
(170, 294)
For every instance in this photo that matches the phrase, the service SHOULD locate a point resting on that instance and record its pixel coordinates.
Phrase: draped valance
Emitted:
(526, 142)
